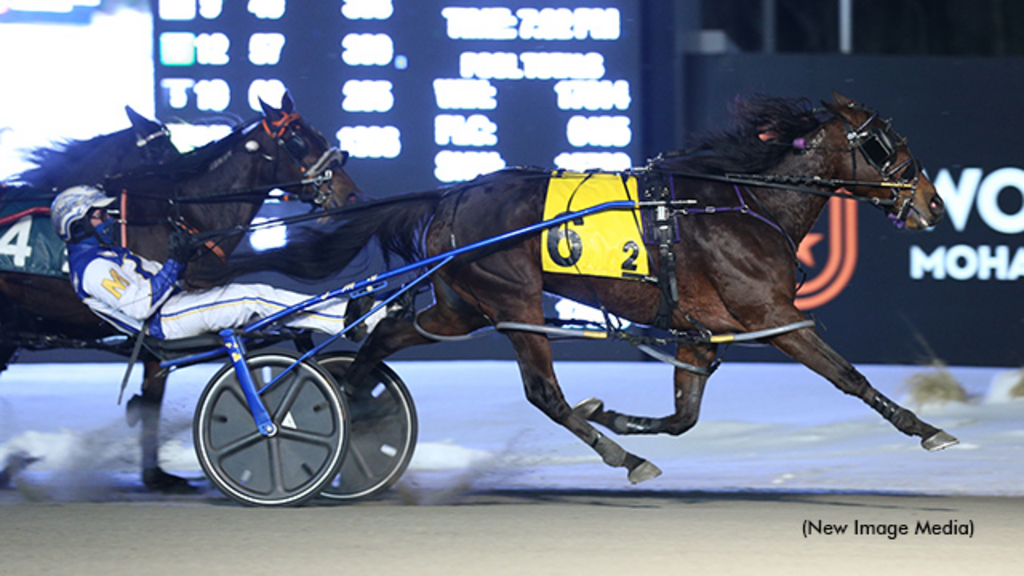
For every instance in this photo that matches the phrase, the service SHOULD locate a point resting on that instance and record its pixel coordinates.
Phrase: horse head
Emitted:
(880, 160)
(310, 158)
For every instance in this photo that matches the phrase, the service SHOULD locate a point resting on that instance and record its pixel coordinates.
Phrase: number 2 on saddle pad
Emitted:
(608, 243)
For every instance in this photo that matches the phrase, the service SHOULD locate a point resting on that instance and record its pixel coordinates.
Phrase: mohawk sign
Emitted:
(1000, 211)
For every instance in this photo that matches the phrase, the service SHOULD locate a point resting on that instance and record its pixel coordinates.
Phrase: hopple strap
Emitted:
(662, 232)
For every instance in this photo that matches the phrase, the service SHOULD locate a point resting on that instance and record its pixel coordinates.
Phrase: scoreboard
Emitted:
(421, 93)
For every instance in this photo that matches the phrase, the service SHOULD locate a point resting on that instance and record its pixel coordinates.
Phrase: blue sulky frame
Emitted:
(234, 339)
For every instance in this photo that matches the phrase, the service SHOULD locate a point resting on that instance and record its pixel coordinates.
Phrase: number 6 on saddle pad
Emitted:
(608, 243)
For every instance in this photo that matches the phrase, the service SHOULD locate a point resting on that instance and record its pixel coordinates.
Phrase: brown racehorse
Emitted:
(758, 190)
(221, 185)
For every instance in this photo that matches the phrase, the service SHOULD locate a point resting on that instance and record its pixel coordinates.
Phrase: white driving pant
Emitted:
(188, 314)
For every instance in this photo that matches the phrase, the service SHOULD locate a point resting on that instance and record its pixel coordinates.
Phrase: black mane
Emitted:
(196, 161)
(53, 165)
(763, 132)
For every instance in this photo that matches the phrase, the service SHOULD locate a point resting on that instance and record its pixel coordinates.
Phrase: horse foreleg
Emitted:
(689, 391)
(148, 406)
(535, 359)
(807, 347)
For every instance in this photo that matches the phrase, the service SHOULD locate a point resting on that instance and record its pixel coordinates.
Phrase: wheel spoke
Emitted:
(236, 446)
(355, 452)
(291, 385)
(303, 436)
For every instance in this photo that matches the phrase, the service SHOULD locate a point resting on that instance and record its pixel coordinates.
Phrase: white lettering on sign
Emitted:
(531, 65)
(602, 131)
(212, 95)
(177, 91)
(367, 49)
(367, 9)
(212, 49)
(371, 141)
(974, 189)
(556, 65)
(560, 24)
(267, 9)
(452, 166)
(265, 48)
(963, 262)
(593, 94)
(496, 65)
(475, 130)
(210, 9)
(480, 23)
(583, 161)
(566, 24)
(15, 242)
(267, 89)
(367, 96)
(465, 94)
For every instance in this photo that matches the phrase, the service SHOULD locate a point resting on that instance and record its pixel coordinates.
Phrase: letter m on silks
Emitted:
(829, 252)
(115, 284)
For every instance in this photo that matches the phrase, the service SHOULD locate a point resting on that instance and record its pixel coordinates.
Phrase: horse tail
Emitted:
(318, 252)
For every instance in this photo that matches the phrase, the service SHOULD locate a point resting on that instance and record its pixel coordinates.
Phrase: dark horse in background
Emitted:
(219, 186)
(735, 268)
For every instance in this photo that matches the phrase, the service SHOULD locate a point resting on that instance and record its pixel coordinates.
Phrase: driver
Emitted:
(135, 293)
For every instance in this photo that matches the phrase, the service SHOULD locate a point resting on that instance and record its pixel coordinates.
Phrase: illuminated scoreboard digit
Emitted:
(419, 92)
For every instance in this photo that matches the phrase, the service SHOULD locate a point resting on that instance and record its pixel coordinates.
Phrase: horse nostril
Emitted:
(936, 205)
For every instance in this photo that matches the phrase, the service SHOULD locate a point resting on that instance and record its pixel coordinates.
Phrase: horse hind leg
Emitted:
(535, 358)
(445, 318)
(689, 392)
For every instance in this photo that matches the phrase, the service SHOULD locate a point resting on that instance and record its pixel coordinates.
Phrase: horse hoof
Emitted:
(156, 480)
(587, 408)
(938, 441)
(644, 471)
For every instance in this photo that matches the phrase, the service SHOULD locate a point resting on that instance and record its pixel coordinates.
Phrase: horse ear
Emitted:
(287, 104)
(269, 111)
(843, 100)
(843, 107)
(140, 123)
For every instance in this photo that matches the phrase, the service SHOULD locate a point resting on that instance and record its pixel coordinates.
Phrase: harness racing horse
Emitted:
(218, 186)
(756, 192)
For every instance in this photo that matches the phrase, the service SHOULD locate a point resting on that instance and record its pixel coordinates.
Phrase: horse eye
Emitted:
(296, 146)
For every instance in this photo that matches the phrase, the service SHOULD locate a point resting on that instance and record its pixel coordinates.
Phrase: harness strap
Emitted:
(664, 235)
(210, 244)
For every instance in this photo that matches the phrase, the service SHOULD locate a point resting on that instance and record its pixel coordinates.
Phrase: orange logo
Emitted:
(840, 243)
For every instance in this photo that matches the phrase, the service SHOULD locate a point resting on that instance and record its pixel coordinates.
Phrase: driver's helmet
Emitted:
(72, 205)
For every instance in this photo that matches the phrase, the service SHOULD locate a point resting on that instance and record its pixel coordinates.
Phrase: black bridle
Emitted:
(879, 144)
(286, 131)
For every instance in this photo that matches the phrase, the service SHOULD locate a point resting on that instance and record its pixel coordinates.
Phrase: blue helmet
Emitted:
(74, 204)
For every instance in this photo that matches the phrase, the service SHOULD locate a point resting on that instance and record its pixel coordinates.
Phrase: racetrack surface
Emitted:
(520, 532)
(779, 464)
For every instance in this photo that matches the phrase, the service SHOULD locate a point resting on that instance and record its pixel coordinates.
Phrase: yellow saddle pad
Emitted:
(609, 243)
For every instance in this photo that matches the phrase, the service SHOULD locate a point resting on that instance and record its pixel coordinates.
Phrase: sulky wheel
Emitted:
(382, 431)
(289, 467)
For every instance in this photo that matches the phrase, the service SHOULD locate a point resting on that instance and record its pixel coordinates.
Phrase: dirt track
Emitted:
(519, 532)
